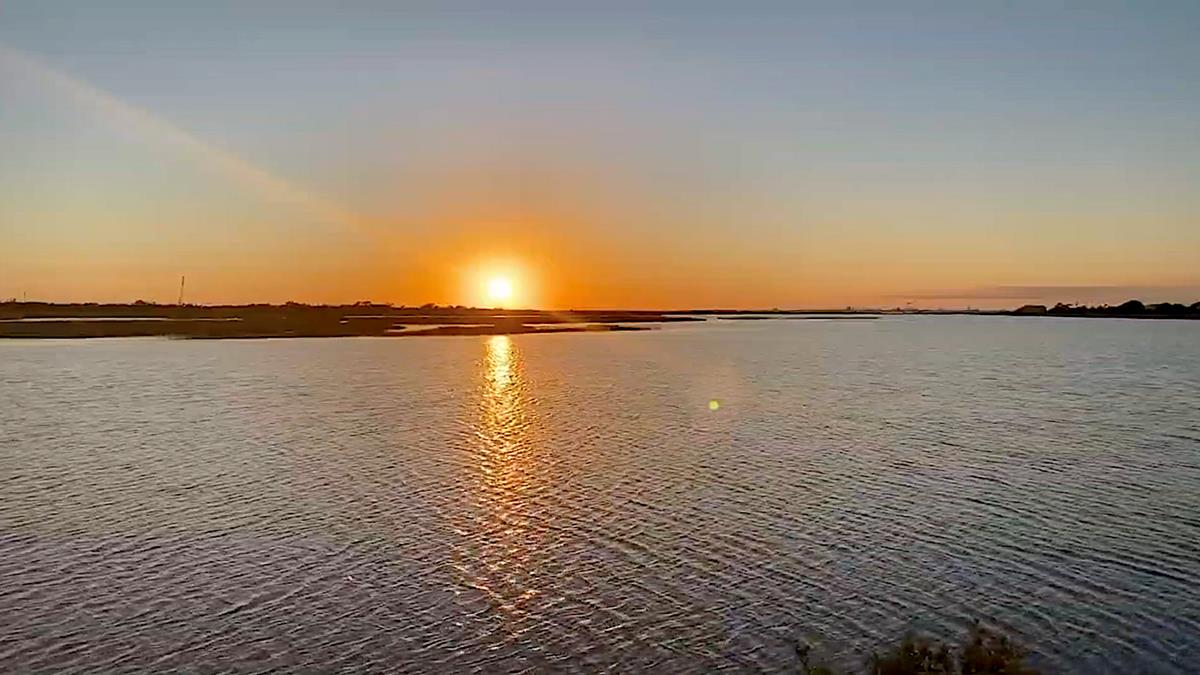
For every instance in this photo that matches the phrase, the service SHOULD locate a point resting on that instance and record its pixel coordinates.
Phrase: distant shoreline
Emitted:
(44, 320)
(293, 320)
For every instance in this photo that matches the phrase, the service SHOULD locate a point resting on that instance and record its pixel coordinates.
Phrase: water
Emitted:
(570, 502)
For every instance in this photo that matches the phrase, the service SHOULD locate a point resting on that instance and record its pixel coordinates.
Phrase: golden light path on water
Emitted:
(502, 537)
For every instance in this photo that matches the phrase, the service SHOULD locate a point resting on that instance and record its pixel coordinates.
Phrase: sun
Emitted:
(502, 283)
(500, 290)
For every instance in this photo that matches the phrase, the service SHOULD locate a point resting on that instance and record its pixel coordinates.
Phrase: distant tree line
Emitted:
(142, 308)
(1131, 308)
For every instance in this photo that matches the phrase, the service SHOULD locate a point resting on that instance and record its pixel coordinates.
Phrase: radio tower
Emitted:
(181, 280)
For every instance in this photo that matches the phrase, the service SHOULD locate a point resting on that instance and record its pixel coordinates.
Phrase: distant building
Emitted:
(1031, 309)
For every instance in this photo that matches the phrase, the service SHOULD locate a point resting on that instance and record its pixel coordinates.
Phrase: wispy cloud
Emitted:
(153, 127)
(1088, 294)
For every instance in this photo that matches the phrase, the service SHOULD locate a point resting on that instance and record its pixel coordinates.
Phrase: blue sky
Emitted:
(828, 154)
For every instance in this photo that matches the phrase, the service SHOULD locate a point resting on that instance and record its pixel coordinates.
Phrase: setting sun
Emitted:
(500, 290)
(498, 282)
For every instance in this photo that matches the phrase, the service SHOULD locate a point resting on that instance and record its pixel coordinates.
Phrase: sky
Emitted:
(639, 155)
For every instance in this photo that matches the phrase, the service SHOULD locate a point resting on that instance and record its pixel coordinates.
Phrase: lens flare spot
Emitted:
(714, 405)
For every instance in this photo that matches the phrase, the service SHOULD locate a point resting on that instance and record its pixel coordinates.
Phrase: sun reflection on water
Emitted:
(499, 361)
(503, 535)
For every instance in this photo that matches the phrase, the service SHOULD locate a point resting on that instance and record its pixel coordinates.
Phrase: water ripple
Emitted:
(571, 503)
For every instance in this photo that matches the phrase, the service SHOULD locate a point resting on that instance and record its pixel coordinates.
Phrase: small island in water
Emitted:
(364, 319)
(294, 320)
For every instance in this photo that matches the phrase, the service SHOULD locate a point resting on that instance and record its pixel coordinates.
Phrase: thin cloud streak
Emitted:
(234, 167)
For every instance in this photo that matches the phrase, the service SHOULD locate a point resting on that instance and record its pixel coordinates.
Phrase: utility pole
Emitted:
(181, 280)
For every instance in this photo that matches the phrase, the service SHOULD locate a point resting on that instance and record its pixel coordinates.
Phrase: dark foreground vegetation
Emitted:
(47, 320)
(983, 651)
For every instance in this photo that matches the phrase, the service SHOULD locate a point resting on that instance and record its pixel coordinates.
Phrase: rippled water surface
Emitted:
(571, 502)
